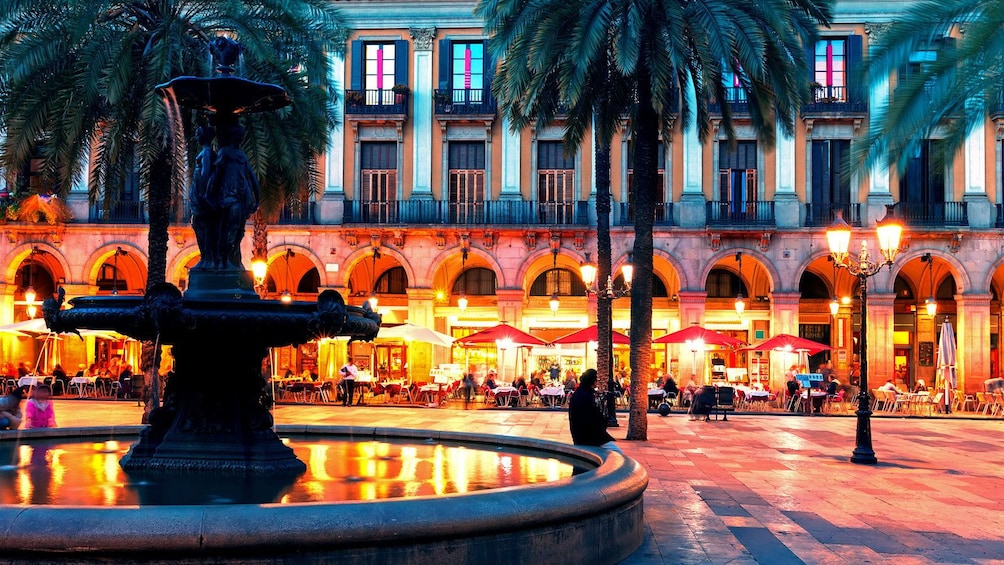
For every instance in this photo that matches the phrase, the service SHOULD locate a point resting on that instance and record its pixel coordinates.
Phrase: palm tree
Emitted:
(78, 78)
(964, 80)
(551, 52)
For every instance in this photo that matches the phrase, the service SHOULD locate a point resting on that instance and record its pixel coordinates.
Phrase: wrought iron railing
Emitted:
(735, 97)
(836, 99)
(498, 212)
(121, 212)
(738, 213)
(624, 214)
(464, 102)
(296, 213)
(376, 102)
(823, 214)
(932, 214)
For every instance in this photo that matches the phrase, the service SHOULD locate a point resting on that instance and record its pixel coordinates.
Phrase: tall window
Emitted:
(660, 191)
(378, 172)
(724, 284)
(830, 69)
(734, 91)
(831, 184)
(924, 177)
(392, 281)
(379, 73)
(555, 180)
(562, 282)
(467, 71)
(467, 181)
(737, 174)
(476, 281)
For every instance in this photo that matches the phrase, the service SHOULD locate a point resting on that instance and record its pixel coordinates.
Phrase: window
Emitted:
(467, 72)
(724, 284)
(377, 66)
(309, 283)
(661, 179)
(555, 181)
(734, 91)
(830, 69)
(831, 183)
(378, 172)
(921, 58)
(379, 73)
(924, 177)
(475, 281)
(559, 281)
(738, 175)
(467, 181)
(393, 281)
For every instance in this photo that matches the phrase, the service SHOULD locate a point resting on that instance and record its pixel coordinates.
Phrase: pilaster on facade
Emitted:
(784, 312)
(511, 150)
(423, 40)
(422, 307)
(693, 304)
(973, 335)
(510, 305)
(881, 325)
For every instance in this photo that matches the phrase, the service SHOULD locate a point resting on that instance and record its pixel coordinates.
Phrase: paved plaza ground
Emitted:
(770, 489)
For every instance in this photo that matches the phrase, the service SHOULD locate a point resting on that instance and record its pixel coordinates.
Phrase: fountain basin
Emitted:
(595, 516)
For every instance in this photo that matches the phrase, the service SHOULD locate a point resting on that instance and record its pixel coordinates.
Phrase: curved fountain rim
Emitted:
(616, 482)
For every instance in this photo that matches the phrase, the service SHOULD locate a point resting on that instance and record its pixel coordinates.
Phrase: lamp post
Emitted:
(587, 270)
(931, 304)
(838, 237)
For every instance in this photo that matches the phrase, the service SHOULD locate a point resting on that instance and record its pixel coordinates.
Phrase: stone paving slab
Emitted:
(757, 488)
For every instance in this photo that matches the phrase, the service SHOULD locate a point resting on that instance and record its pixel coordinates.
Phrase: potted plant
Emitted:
(354, 98)
(444, 98)
(399, 91)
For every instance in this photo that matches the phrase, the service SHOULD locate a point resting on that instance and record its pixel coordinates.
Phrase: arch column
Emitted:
(784, 312)
(510, 306)
(881, 359)
(973, 347)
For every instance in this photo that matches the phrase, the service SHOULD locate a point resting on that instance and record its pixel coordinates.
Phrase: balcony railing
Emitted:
(823, 214)
(758, 213)
(835, 99)
(624, 214)
(735, 97)
(121, 212)
(299, 213)
(498, 212)
(932, 214)
(376, 102)
(464, 102)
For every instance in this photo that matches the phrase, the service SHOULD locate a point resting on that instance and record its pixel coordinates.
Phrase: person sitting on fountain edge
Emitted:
(585, 421)
(10, 410)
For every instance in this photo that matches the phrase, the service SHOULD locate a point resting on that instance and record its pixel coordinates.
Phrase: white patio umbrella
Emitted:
(413, 332)
(946, 361)
(37, 326)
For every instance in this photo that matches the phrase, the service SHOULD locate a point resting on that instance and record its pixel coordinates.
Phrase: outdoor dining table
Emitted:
(552, 396)
(505, 395)
(655, 397)
(84, 385)
(431, 394)
(818, 396)
(29, 381)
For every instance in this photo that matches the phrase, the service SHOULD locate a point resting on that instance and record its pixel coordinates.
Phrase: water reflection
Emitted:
(87, 473)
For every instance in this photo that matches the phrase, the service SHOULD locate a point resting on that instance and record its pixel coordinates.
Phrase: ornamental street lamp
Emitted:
(588, 272)
(931, 304)
(889, 231)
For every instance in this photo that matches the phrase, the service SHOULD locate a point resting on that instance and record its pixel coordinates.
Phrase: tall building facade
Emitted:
(433, 205)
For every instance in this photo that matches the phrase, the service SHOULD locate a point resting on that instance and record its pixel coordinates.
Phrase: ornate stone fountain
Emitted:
(215, 416)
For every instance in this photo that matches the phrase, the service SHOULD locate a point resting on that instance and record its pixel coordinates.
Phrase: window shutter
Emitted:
(358, 64)
(400, 61)
(810, 61)
(489, 72)
(854, 58)
(445, 56)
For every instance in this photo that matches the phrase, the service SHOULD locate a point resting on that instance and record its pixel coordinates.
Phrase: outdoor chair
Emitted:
(981, 403)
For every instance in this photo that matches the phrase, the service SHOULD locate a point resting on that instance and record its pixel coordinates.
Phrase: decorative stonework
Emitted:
(530, 240)
(489, 240)
(716, 240)
(351, 239)
(875, 31)
(955, 242)
(424, 38)
(764, 243)
(399, 239)
(440, 240)
(580, 240)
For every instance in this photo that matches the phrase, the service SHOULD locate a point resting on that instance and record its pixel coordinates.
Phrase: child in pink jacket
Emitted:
(39, 412)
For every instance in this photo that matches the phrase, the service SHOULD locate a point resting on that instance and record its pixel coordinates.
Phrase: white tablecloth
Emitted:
(82, 380)
(552, 391)
(28, 381)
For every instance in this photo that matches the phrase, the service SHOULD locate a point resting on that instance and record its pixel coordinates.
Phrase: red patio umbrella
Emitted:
(585, 335)
(787, 342)
(501, 331)
(693, 333)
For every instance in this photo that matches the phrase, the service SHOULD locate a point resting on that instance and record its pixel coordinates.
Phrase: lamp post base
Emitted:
(863, 453)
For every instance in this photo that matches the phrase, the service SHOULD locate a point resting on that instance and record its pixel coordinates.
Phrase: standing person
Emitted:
(10, 410)
(349, 371)
(468, 385)
(40, 412)
(585, 421)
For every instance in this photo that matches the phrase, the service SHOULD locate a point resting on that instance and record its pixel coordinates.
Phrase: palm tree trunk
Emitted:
(646, 137)
(159, 209)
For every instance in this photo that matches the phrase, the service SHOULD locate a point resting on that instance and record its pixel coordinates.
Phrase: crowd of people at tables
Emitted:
(102, 375)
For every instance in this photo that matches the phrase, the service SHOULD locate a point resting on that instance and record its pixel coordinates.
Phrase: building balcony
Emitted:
(464, 104)
(741, 214)
(737, 100)
(376, 104)
(932, 214)
(624, 214)
(497, 212)
(121, 212)
(298, 213)
(823, 214)
(835, 101)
